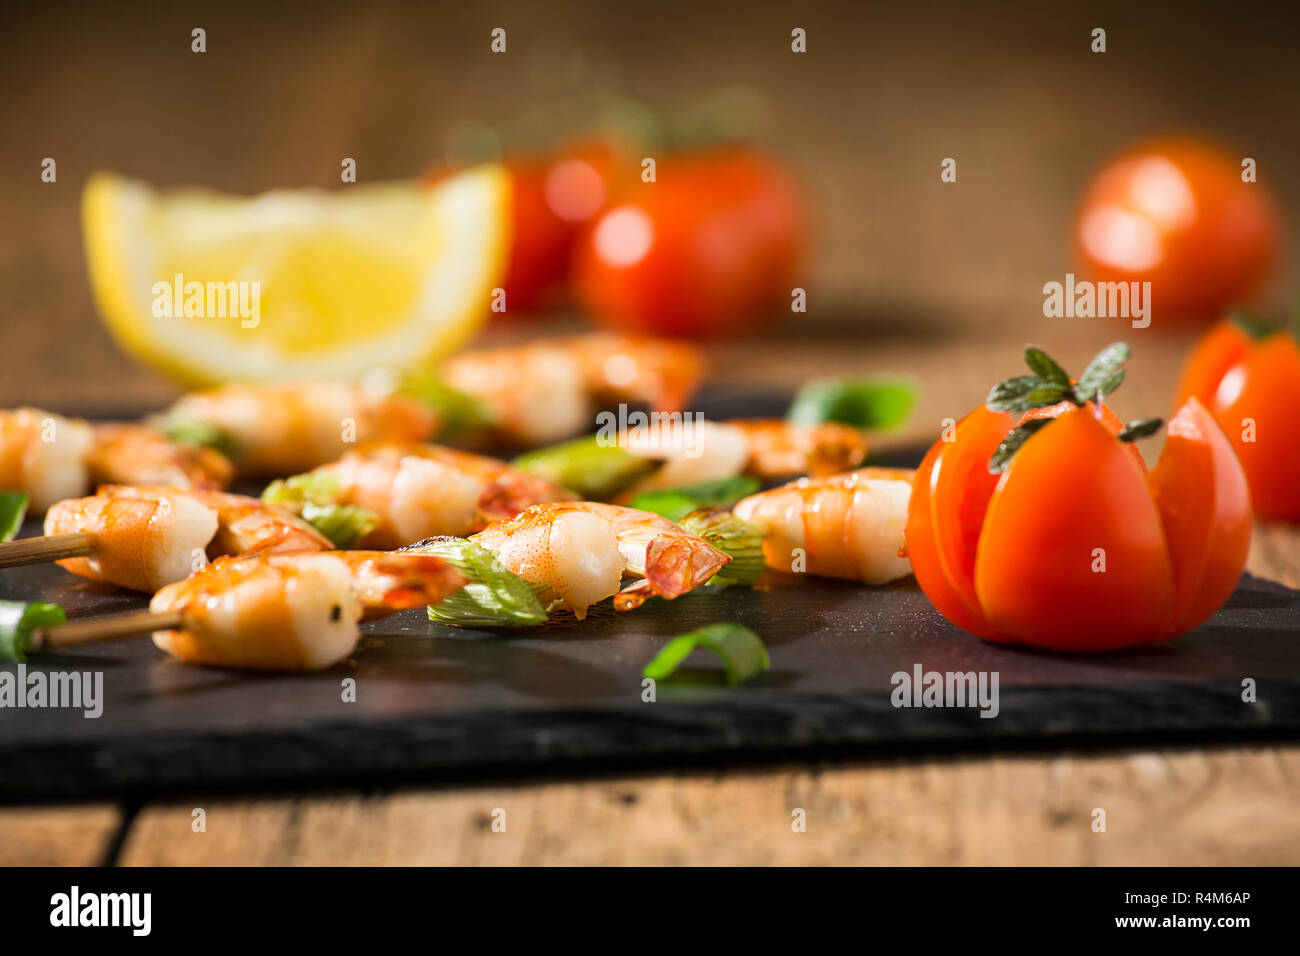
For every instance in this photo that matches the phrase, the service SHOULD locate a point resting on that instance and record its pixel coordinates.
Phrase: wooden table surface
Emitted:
(1192, 805)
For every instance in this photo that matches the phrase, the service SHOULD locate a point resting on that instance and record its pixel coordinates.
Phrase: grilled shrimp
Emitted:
(580, 550)
(289, 427)
(141, 542)
(694, 451)
(141, 455)
(244, 525)
(293, 612)
(143, 538)
(43, 454)
(845, 526)
(544, 391)
(418, 491)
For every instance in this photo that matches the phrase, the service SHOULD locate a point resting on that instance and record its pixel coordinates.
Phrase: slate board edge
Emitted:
(629, 737)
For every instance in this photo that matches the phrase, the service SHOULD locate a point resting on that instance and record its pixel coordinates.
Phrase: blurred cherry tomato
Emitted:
(711, 247)
(1252, 387)
(554, 198)
(1177, 214)
(1016, 557)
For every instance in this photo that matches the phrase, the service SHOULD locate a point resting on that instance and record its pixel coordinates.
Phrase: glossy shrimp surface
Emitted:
(843, 526)
(142, 542)
(697, 450)
(293, 612)
(289, 427)
(244, 524)
(581, 550)
(44, 455)
(133, 454)
(419, 491)
(545, 391)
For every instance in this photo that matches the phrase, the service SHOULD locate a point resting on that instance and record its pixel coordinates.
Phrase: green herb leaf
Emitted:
(344, 525)
(314, 496)
(458, 413)
(192, 431)
(676, 503)
(737, 537)
(587, 466)
(860, 402)
(494, 597)
(1001, 458)
(17, 621)
(1255, 326)
(1045, 367)
(1023, 392)
(13, 508)
(741, 651)
(1100, 371)
(1140, 428)
(313, 487)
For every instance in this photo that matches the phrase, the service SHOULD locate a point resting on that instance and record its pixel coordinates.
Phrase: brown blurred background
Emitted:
(908, 267)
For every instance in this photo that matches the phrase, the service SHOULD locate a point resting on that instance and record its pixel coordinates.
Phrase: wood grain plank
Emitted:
(1220, 807)
(57, 836)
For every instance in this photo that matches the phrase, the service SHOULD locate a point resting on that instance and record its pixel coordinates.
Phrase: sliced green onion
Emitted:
(587, 466)
(860, 402)
(676, 503)
(457, 412)
(193, 431)
(741, 651)
(13, 508)
(17, 621)
(494, 597)
(737, 537)
(314, 496)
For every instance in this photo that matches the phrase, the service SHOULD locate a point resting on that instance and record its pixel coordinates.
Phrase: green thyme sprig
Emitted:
(1050, 385)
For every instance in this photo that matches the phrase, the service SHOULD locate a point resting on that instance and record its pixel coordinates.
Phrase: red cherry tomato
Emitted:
(1078, 547)
(711, 247)
(1252, 388)
(1177, 214)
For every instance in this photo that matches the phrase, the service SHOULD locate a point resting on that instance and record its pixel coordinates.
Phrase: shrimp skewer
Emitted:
(545, 391)
(145, 538)
(681, 451)
(134, 454)
(412, 491)
(842, 526)
(579, 552)
(272, 612)
(290, 427)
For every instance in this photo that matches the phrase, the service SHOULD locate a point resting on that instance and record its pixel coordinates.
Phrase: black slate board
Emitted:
(434, 702)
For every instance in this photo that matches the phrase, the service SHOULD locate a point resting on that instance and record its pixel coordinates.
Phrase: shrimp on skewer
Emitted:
(289, 427)
(269, 612)
(133, 454)
(579, 552)
(845, 526)
(545, 391)
(44, 455)
(293, 612)
(679, 451)
(145, 538)
(412, 491)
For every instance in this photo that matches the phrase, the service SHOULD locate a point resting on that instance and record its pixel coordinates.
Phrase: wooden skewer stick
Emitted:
(102, 629)
(52, 547)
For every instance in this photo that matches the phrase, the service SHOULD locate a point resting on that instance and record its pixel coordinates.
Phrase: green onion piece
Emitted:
(17, 621)
(587, 466)
(193, 431)
(457, 412)
(314, 496)
(860, 402)
(494, 597)
(13, 508)
(737, 537)
(344, 525)
(742, 653)
(676, 503)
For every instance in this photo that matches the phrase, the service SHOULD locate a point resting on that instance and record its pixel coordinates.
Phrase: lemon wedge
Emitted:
(295, 284)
